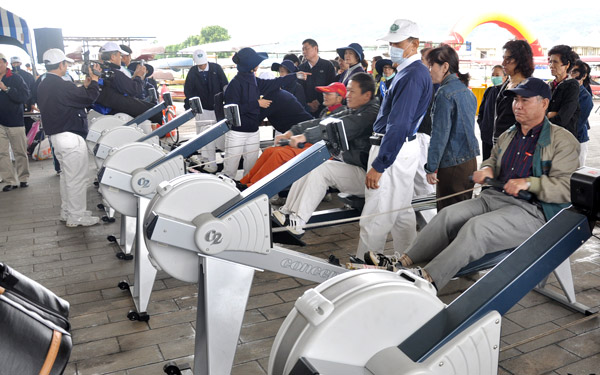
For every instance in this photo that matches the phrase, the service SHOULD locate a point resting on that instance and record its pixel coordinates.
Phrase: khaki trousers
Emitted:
(16, 139)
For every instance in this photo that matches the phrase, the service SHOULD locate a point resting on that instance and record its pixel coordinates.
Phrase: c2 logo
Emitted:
(213, 237)
(143, 182)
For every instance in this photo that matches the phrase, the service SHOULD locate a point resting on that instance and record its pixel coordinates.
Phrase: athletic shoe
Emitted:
(84, 221)
(280, 217)
(10, 187)
(63, 215)
(23, 184)
(327, 198)
(417, 271)
(378, 259)
(296, 224)
(210, 168)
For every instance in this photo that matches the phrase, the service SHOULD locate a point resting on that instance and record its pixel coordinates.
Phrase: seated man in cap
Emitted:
(118, 91)
(273, 157)
(346, 173)
(498, 220)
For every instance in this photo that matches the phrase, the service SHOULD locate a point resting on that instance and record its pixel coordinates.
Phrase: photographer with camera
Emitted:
(117, 91)
(62, 105)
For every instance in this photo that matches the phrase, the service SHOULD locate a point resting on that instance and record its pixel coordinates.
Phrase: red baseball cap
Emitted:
(336, 87)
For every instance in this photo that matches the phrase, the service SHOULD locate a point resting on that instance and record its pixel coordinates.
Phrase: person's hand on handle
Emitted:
(298, 141)
(287, 135)
(514, 186)
(480, 175)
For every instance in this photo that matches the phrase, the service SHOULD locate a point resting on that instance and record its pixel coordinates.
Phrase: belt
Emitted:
(376, 138)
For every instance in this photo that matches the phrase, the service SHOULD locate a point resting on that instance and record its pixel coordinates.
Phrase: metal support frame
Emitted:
(127, 234)
(144, 271)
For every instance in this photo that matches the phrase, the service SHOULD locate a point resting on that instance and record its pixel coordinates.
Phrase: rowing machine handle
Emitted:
(286, 142)
(523, 194)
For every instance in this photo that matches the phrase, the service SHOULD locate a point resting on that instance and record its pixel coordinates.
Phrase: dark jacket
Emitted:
(122, 84)
(485, 117)
(205, 89)
(322, 74)
(11, 102)
(358, 124)
(29, 81)
(347, 75)
(585, 104)
(565, 101)
(504, 117)
(63, 104)
(296, 89)
(245, 90)
(284, 111)
(453, 140)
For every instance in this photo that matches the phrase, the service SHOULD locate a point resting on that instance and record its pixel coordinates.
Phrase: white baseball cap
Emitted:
(401, 30)
(113, 47)
(200, 57)
(15, 59)
(55, 56)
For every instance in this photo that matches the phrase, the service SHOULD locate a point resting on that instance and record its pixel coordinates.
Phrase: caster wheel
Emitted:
(171, 369)
(134, 315)
(123, 285)
(111, 220)
(100, 206)
(124, 256)
(105, 218)
(111, 238)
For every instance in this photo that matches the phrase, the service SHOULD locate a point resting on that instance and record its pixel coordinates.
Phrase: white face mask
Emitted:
(397, 55)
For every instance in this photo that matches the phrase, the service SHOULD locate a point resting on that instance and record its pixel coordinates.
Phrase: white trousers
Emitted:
(13, 138)
(395, 191)
(236, 144)
(203, 121)
(422, 187)
(307, 192)
(583, 150)
(71, 152)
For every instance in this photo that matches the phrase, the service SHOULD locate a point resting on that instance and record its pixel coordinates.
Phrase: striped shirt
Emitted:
(516, 161)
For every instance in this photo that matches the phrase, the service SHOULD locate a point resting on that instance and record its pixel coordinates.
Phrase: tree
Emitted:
(208, 34)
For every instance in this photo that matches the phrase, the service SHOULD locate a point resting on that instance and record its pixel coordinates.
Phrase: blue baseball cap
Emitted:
(247, 59)
(531, 87)
(357, 48)
(288, 64)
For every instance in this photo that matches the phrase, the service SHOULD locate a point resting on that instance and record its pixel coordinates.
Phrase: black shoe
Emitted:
(10, 187)
(240, 186)
(23, 184)
(354, 259)
(334, 260)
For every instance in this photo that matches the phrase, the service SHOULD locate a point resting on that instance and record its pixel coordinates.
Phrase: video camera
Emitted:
(99, 69)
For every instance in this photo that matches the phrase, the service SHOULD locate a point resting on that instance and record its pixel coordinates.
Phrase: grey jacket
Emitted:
(359, 127)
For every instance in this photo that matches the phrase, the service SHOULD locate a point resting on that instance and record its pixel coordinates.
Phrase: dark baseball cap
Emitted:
(531, 87)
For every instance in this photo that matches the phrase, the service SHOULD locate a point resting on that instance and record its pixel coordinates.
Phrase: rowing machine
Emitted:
(421, 334)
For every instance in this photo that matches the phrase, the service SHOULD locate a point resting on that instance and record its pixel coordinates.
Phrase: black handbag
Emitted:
(34, 327)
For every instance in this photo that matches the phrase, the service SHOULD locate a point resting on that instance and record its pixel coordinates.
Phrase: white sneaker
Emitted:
(63, 215)
(210, 168)
(279, 216)
(296, 225)
(84, 221)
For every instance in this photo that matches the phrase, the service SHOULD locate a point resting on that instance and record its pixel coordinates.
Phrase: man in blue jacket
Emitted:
(394, 154)
(62, 105)
(205, 80)
(13, 94)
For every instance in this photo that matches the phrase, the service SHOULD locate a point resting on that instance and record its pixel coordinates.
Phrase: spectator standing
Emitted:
(62, 105)
(581, 73)
(485, 117)
(295, 88)
(205, 80)
(316, 72)
(393, 158)
(453, 148)
(246, 91)
(14, 93)
(564, 105)
(352, 55)
(517, 62)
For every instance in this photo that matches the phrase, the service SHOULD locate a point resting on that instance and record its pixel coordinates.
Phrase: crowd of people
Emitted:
(410, 124)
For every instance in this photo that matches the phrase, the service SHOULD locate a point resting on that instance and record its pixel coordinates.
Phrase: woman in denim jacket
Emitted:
(451, 157)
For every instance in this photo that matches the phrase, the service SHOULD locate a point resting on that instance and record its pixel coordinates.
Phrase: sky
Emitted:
(332, 24)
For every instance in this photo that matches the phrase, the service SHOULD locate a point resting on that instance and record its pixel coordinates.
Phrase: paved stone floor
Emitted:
(80, 265)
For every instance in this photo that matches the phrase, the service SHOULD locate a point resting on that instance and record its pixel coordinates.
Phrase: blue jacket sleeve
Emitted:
(441, 124)
(81, 97)
(234, 94)
(267, 85)
(399, 125)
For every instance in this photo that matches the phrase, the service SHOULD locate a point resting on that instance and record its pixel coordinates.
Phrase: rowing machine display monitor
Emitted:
(585, 192)
(335, 134)
(196, 105)
(232, 114)
(167, 99)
